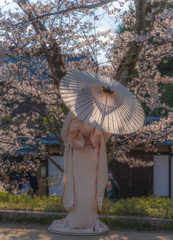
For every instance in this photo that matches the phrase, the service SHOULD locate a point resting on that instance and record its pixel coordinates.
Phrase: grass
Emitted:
(114, 223)
(145, 206)
(26, 202)
(30, 219)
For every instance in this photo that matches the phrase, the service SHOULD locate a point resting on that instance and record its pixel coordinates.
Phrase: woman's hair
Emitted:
(26, 176)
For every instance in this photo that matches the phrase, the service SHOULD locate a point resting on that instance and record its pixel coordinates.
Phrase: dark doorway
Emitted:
(134, 182)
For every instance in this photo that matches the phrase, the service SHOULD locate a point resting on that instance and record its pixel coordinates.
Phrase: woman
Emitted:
(85, 178)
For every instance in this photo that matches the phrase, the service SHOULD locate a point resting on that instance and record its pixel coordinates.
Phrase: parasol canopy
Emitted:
(101, 102)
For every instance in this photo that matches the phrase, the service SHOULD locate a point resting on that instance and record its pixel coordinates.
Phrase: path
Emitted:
(12, 231)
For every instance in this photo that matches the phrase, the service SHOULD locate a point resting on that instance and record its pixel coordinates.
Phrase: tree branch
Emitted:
(55, 61)
(79, 7)
(56, 164)
(128, 62)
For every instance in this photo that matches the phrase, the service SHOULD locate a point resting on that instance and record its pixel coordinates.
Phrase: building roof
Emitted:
(150, 120)
(25, 150)
(50, 139)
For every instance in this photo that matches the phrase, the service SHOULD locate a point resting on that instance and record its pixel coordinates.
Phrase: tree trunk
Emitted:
(128, 63)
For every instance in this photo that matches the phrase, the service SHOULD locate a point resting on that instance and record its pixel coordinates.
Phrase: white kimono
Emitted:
(85, 178)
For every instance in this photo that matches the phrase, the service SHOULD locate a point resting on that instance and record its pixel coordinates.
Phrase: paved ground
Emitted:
(14, 231)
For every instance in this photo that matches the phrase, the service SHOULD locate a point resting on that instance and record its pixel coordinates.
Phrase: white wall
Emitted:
(161, 175)
(54, 171)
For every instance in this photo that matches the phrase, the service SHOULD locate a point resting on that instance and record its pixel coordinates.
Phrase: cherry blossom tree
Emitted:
(39, 42)
(146, 42)
(35, 52)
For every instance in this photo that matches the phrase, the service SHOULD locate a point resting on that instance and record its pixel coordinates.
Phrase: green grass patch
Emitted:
(126, 224)
(145, 206)
(26, 202)
(30, 219)
(114, 223)
(158, 207)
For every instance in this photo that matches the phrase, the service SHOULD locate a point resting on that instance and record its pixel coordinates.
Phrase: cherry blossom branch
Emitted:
(143, 25)
(75, 8)
(71, 9)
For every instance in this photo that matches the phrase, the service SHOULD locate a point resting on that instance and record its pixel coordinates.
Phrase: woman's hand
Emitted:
(88, 141)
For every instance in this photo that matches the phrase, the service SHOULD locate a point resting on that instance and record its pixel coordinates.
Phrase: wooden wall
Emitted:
(134, 181)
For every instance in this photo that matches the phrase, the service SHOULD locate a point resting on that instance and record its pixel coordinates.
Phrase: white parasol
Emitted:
(101, 102)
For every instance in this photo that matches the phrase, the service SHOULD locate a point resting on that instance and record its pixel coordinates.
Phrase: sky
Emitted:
(12, 5)
(106, 23)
